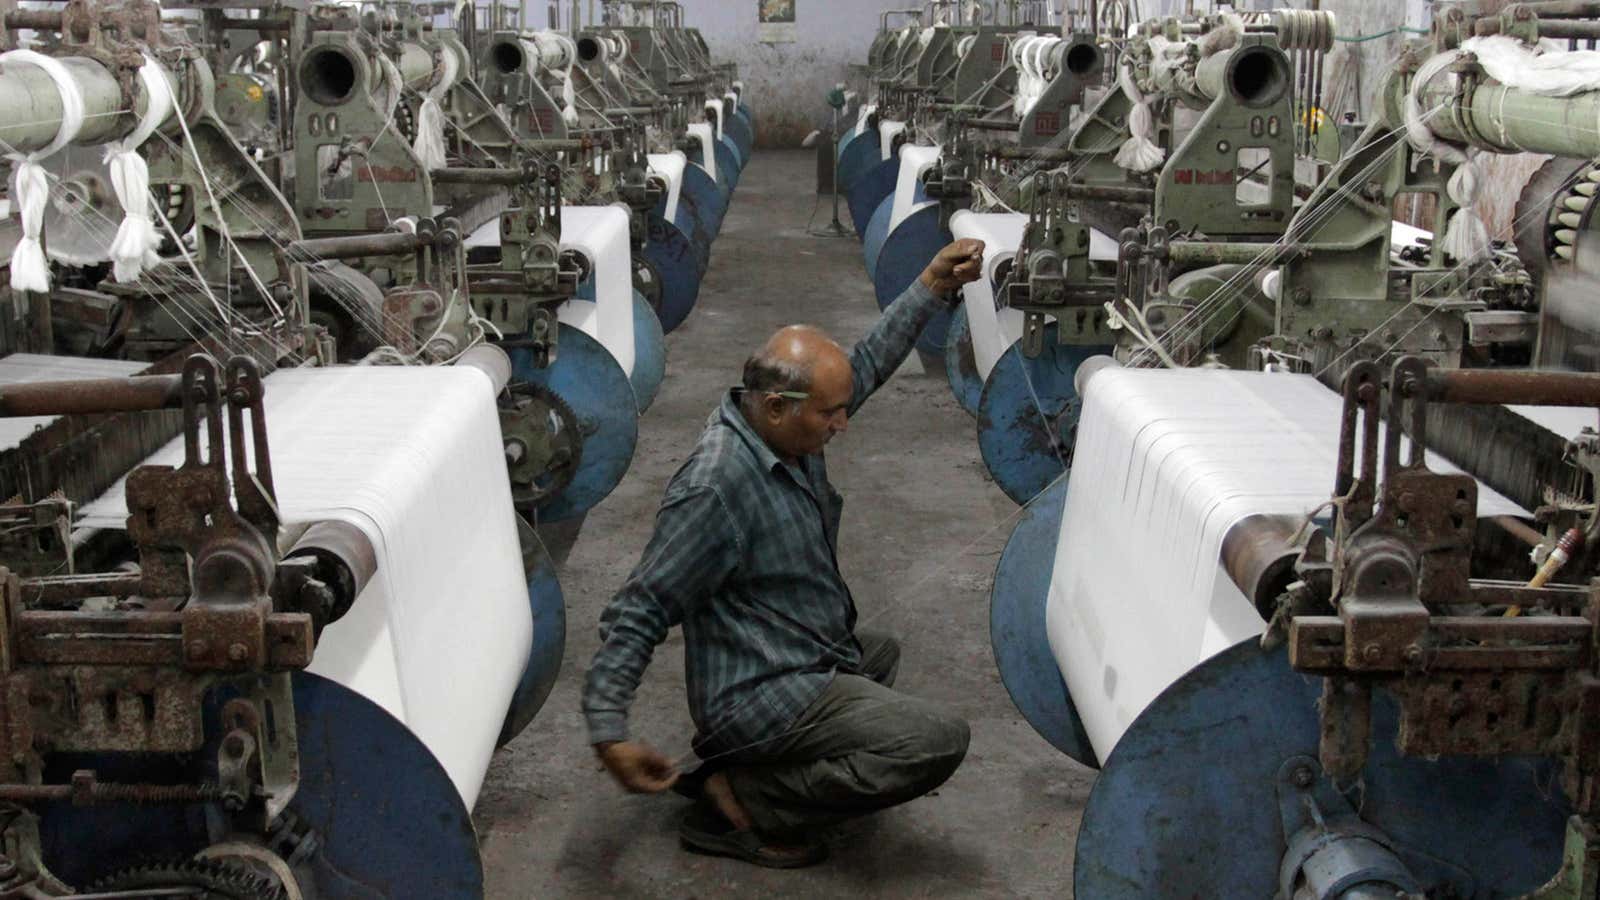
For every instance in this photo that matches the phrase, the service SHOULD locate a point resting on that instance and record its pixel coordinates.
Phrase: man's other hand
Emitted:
(638, 767)
(956, 264)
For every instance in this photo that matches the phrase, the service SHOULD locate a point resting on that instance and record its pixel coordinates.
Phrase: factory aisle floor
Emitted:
(923, 529)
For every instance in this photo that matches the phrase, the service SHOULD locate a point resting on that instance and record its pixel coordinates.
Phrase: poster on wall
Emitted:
(775, 21)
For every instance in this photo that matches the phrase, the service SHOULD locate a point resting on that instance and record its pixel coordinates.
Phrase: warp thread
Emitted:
(134, 246)
(30, 186)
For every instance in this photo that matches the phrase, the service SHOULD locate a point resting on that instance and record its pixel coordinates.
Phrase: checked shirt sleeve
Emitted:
(886, 346)
(695, 545)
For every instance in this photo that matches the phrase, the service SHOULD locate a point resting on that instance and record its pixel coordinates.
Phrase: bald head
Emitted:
(790, 359)
(797, 390)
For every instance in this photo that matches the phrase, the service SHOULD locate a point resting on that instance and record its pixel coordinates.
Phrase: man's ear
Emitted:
(772, 408)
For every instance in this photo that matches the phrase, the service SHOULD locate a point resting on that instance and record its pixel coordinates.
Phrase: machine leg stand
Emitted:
(1579, 878)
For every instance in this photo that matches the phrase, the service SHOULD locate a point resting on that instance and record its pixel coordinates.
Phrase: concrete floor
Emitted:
(923, 529)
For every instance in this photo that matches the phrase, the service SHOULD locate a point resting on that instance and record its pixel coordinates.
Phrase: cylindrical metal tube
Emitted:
(1517, 388)
(547, 50)
(415, 65)
(1507, 120)
(346, 562)
(1563, 9)
(30, 104)
(92, 396)
(386, 243)
(1258, 555)
(466, 175)
(1255, 76)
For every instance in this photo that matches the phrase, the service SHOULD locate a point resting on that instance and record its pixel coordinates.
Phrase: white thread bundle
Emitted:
(1028, 57)
(429, 145)
(1166, 462)
(1466, 238)
(135, 245)
(30, 271)
(412, 456)
(1140, 152)
(1518, 65)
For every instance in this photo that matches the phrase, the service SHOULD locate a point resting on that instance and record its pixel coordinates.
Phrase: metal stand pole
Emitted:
(836, 228)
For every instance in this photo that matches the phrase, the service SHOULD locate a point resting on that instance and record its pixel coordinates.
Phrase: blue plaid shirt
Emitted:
(744, 558)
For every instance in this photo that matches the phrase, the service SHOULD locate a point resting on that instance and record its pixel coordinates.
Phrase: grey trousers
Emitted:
(860, 747)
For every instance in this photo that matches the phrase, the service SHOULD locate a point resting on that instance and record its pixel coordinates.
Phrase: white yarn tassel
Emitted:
(1140, 152)
(135, 245)
(30, 271)
(1466, 238)
(429, 145)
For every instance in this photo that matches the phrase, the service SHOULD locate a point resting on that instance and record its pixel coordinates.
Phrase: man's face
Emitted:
(803, 427)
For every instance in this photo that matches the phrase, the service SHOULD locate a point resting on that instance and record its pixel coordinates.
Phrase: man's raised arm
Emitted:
(876, 356)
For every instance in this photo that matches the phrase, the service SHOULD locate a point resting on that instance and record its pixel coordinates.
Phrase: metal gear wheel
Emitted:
(216, 880)
(544, 443)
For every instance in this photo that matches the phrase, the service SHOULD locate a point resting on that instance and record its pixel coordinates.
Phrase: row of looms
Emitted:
(316, 314)
(1305, 565)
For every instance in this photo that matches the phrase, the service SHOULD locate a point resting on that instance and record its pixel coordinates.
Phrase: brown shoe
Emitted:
(707, 832)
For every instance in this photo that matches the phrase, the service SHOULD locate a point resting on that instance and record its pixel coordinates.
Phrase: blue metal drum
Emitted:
(706, 197)
(649, 354)
(857, 156)
(588, 378)
(1017, 632)
(743, 132)
(869, 191)
(549, 609)
(877, 232)
(960, 369)
(727, 167)
(371, 794)
(672, 261)
(1028, 415)
(905, 254)
(1192, 800)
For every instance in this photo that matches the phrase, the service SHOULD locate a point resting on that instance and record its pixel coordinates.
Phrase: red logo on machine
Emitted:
(386, 174)
(997, 52)
(1216, 176)
(1046, 123)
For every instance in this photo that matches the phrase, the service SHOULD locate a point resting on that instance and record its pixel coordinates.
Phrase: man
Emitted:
(796, 719)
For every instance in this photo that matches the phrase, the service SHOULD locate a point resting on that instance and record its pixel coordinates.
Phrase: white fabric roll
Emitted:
(413, 457)
(993, 330)
(1166, 461)
(913, 162)
(866, 110)
(701, 131)
(600, 233)
(670, 166)
(27, 368)
(886, 132)
(714, 116)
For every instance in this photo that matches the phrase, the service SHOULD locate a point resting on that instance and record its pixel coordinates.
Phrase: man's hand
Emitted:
(955, 265)
(636, 766)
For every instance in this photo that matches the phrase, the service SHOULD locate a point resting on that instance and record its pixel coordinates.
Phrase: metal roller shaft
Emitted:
(30, 104)
(1508, 120)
